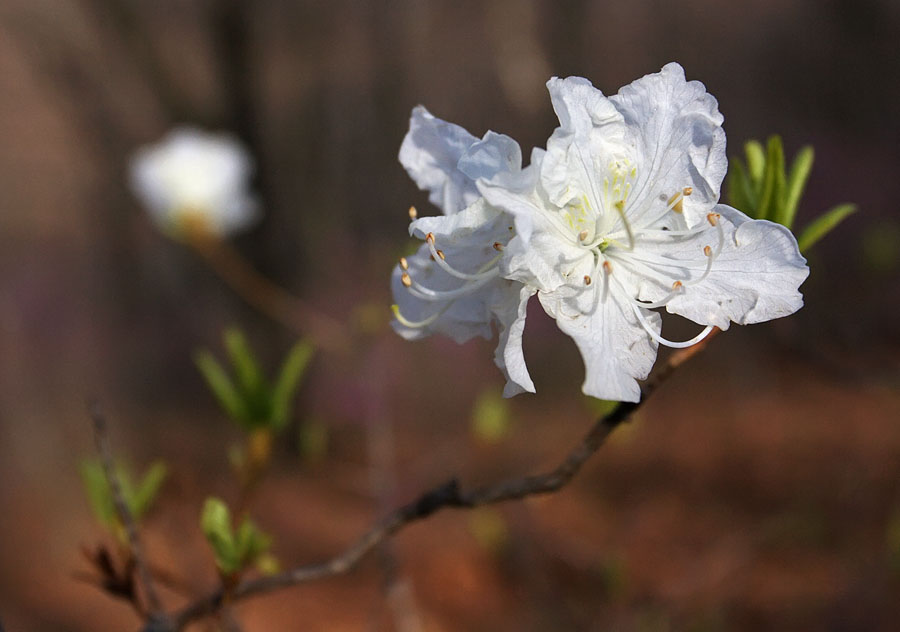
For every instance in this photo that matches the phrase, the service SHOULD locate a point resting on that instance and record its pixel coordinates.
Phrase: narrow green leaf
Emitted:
(249, 377)
(776, 156)
(796, 183)
(98, 492)
(769, 185)
(739, 188)
(221, 386)
(756, 161)
(822, 225)
(149, 487)
(292, 371)
(215, 522)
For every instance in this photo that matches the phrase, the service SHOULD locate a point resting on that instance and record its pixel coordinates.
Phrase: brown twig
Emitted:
(448, 495)
(264, 295)
(101, 439)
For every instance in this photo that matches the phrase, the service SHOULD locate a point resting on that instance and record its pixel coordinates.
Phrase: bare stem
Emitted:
(101, 439)
(448, 495)
(266, 296)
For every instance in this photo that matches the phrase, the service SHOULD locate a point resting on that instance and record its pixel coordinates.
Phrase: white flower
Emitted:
(452, 285)
(193, 180)
(619, 216)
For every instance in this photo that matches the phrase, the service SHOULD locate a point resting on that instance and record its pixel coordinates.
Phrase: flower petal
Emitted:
(614, 346)
(755, 278)
(430, 153)
(677, 130)
(493, 154)
(511, 303)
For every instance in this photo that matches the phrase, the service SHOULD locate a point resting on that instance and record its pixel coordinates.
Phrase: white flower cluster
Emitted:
(194, 180)
(618, 216)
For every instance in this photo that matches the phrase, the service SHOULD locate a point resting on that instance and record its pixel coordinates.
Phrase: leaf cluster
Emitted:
(234, 548)
(762, 187)
(247, 396)
(139, 495)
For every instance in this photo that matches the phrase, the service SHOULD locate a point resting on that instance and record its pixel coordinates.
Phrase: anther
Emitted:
(404, 278)
(607, 267)
(583, 235)
(441, 253)
(713, 218)
(677, 285)
(498, 246)
(686, 191)
(587, 280)
(429, 238)
(404, 263)
(706, 250)
(413, 213)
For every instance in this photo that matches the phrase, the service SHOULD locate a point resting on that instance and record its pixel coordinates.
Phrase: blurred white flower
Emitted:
(195, 181)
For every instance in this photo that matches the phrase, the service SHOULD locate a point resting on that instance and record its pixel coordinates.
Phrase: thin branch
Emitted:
(267, 297)
(101, 439)
(448, 495)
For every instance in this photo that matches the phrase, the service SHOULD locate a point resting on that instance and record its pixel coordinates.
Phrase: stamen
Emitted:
(415, 324)
(405, 279)
(429, 238)
(713, 218)
(607, 267)
(587, 279)
(413, 213)
(426, 294)
(706, 250)
(620, 207)
(677, 285)
(438, 257)
(404, 264)
(668, 343)
(582, 235)
(687, 191)
(498, 246)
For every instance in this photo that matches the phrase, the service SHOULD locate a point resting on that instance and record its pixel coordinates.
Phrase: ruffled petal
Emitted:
(430, 153)
(616, 349)
(755, 278)
(676, 128)
(511, 304)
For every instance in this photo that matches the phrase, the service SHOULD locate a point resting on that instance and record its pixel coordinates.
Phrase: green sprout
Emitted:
(138, 496)
(762, 188)
(249, 399)
(235, 549)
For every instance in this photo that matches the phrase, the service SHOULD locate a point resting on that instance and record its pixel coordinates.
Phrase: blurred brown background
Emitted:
(758, 490)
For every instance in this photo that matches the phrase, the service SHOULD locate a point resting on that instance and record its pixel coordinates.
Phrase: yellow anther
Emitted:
(607, 267)
(583, 235)
(404, 263)
(587, 280)
(713, 218)
(441, 253)
(677, 285)
(707, 251)
(687, 191)
(413, 213)
(429, 238)
(404, 278)
(498, 246)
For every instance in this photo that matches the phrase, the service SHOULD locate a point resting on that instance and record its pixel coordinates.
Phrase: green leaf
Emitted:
(740, 191)
(773, 180)
(824, 224)
(97, 489)
(490, 416)
(796, 184)
(221, 386)
(292, 372)
(149, 487)
(756, 161)
(249, 377)
(215, 522)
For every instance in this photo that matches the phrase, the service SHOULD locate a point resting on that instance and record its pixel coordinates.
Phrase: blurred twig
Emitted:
(268, 297)
(101, 439)
(448, 495)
